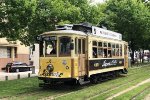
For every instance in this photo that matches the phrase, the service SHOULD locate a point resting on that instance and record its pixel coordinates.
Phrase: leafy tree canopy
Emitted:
(129, 17)
(24, 19)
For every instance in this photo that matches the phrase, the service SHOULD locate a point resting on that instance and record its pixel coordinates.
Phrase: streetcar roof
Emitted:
(66, 32)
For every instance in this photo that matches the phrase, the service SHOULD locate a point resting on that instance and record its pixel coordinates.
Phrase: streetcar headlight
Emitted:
(50, 67)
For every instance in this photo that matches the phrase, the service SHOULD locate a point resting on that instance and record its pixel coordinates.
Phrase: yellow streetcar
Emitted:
(81, 53)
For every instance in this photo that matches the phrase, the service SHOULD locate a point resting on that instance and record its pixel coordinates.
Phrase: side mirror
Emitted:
(38, 38)
(71, 46)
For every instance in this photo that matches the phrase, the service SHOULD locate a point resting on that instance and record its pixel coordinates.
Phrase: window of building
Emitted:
(15, 52)
(8, 52)
(3, 52)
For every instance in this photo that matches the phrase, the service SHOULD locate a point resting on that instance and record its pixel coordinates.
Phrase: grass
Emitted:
(134, 94)
(28, 89)
(103, 89)
(15, 87)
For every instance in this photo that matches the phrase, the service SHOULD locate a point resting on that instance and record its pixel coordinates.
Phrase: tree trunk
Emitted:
(132, 54)
(143, 56)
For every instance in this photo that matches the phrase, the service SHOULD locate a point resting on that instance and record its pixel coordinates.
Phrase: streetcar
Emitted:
(81, 53)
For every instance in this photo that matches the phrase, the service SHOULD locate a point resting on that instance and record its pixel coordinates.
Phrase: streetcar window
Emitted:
(105, 44)
(109, 54)
(79, 46)
(109, 51)
(109, 44)
(83, 46)
(113, 45)
(100, 44)
(64, 44)
(50, 47)
(94, 52)
(117, 52)
(117, 45)
(105, 53)
(94, 49)
(76, 45)
(100, 52)
(117, 49)
(120, 50)
(113, 50)
(94, 43)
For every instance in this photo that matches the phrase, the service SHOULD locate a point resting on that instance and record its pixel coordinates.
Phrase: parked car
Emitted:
(145, 58)
(17, 67)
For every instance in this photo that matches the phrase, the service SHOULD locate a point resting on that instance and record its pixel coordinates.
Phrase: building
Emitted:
(12, 51)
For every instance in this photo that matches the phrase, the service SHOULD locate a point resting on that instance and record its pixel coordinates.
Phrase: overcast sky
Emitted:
(96, 1)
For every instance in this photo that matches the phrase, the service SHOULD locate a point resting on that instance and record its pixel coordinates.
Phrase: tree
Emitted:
(24, 19)
(15, 17)
(131, 18)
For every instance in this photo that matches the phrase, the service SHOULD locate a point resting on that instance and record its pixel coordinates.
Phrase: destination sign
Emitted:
(106, 33)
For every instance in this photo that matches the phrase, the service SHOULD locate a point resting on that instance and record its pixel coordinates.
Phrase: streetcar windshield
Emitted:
(62, 48)
(50, 46)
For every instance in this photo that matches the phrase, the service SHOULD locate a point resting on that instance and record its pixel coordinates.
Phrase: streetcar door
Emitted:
(81, 56)
(126, 56)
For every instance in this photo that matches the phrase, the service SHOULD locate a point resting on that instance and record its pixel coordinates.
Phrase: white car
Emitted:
(145, 58)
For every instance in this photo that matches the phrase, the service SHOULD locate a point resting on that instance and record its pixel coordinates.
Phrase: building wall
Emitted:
(4, 61)
(34, 56)
(20, 54)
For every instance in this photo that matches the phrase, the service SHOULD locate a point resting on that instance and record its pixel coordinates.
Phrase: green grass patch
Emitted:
(27, 88)
(137, 94)
(91, 91)
(129, 84)
(16, 87)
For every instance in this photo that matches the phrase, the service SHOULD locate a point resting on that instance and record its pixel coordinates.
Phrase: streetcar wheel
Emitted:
(94, 79)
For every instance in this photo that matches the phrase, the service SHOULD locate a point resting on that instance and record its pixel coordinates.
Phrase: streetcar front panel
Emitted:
(53, 67)
(56, 57)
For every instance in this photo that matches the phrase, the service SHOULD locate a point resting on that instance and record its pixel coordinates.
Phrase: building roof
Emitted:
(8, 45)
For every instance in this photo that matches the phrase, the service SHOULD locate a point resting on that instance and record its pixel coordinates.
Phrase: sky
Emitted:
(96, 1)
